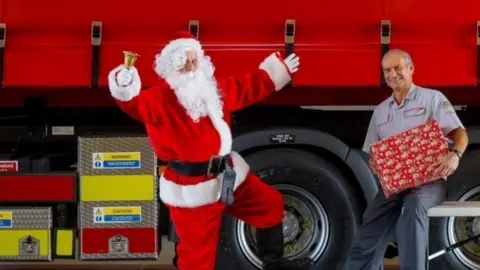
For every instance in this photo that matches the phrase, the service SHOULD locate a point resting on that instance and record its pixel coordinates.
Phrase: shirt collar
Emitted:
(412, 94)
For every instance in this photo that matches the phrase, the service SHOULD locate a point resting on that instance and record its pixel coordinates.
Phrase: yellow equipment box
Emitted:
(117, 169)
(105, 188)
(25, 234)
(65, 243)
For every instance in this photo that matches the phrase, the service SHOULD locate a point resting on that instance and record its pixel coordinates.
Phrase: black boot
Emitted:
(270, 249)
(173, 237)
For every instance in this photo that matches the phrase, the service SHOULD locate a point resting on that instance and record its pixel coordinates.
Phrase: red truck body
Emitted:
(48, 49)
(53, 85)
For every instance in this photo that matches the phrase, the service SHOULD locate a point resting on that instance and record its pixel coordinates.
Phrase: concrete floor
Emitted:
(163, 263)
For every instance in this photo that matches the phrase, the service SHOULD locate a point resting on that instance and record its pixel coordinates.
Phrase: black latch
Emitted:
(385, 37)
(96, 36)
(61, 216)
(194, 28)
(3, 36)
(37, 125)
(289, 40)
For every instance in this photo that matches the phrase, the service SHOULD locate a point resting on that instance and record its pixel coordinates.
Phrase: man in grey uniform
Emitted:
(409, 106)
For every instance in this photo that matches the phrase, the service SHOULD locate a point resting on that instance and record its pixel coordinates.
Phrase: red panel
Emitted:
(298, 96)
(360, 96)
(240, 38)
(440, 37)
(338, 41)
(46, 46)
(141, 240)
(236, 45)
(43, 52)
(37, 188)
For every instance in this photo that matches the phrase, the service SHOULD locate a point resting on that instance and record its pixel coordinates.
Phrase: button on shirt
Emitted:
(420, 106)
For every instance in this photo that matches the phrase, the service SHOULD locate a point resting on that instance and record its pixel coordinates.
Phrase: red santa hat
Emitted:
(172, 57)
(184, 35)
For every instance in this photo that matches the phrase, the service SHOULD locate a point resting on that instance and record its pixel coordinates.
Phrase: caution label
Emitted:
(117, 160)
(8, 165)
(6, 219)
(123, 214)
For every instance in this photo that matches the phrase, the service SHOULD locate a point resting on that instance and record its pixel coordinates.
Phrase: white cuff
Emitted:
(124, 93)
(276, 70)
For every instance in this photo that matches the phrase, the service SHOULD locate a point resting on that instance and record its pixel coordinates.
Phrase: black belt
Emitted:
(214, 167)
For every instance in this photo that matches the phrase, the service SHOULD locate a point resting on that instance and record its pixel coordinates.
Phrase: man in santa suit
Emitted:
(187, 118)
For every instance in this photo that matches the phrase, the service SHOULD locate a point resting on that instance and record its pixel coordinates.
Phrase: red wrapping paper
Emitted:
(409, 159)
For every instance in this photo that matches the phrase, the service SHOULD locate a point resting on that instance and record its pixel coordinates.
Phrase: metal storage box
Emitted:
(26, 233)
(118, 198)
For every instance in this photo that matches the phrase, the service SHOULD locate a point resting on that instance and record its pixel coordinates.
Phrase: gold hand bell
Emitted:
(130, 58)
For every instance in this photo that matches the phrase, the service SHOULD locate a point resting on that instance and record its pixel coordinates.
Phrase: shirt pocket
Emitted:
(415, 116)
(384, 126)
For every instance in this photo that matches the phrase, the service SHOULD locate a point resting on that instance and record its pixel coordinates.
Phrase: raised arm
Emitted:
(125, 85)
(272, 75)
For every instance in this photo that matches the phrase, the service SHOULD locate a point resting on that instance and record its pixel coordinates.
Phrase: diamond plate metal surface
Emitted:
(118, 256)
(26, 258)
(30, 217)
(89, 145)
(149, 214)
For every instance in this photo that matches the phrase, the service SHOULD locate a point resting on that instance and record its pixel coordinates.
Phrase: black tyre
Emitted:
(464, 185)
(330, 209)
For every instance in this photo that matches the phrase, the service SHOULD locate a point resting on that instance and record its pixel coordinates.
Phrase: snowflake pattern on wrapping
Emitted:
(408, 159)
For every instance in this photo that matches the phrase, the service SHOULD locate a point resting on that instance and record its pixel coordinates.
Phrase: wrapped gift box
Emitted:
(408, 159)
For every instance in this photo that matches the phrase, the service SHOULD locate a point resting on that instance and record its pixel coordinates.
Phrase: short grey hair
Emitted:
(406, 56)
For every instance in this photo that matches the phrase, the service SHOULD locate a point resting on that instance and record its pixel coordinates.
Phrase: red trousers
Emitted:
(256, 203)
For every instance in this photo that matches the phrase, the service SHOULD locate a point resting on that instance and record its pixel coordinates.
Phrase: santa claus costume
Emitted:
(187, 118)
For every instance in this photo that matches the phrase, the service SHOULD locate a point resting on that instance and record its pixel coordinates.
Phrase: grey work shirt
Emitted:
(420, 106)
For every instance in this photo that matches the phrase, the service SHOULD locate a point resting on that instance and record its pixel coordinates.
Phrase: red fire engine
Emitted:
(59, 124)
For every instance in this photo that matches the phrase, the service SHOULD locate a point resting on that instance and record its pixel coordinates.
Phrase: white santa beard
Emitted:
(200, 97)
(197, 94)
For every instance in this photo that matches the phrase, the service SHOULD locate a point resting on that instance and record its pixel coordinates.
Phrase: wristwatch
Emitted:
(458, 153)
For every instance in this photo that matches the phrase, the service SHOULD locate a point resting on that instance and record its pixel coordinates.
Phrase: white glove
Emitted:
(125, 77)
(292, 62)
(124, 83)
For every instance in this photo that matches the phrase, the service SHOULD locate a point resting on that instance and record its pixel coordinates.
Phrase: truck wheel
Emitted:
(317, 195)
(464, 185)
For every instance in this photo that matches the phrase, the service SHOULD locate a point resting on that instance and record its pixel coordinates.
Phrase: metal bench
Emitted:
(455, 209)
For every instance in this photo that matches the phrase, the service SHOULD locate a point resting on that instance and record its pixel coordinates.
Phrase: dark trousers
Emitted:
(408, 214)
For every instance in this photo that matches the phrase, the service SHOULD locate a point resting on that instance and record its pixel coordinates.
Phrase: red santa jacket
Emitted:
(174, 135)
